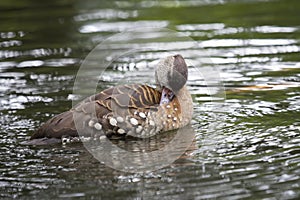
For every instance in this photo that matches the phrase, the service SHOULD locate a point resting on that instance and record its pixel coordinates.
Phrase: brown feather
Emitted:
(121, 100)
(133, 110)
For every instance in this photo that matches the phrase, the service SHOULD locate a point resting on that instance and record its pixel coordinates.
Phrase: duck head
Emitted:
(171, 75)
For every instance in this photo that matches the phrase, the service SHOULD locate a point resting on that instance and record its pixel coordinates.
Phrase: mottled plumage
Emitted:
(135, 110)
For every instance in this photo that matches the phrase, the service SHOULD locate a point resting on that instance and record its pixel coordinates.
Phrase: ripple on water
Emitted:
(106, 14)
(23, 169)
(41, 52)
(120, 26)
(247, 144)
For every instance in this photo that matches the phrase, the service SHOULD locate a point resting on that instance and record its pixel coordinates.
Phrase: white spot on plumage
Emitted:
(139, 129)
(120, 119)
(174, 119)
(85, 139)
(91, 123)
(169, 116)
(65, 141)
(134, 121)
(168, 106)
(121, 131)
(151, 123)
(102, 137)
(113, 121)
(175, 109)
(142, 115)
(98, 126)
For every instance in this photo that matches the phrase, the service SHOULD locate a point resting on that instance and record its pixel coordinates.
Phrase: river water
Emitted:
(244, 79)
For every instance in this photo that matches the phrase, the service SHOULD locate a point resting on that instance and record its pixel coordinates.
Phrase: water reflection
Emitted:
(120, 26)
(106, 14)
(35, 53)
(140, 156)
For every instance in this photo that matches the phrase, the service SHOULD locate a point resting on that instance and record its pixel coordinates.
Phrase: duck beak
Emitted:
(167, 96)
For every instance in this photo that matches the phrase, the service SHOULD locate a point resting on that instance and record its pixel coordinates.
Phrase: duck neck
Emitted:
(186, 104)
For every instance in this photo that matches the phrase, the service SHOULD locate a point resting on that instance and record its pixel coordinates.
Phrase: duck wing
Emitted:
(113, 111)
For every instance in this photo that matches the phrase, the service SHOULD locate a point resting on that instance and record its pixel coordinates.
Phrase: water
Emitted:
(247, 144)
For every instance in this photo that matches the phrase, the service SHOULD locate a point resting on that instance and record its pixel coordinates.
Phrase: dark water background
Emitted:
(253, 152)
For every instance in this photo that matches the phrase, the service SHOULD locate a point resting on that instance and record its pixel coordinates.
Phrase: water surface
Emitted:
(246, 142)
